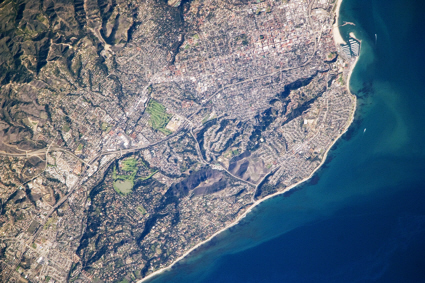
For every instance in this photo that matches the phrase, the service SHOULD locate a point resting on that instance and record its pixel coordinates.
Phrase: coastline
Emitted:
(351, 70)
(335, 29)
(338, 40)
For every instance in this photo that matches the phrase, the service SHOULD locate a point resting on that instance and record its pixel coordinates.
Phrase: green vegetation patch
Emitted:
(123, 187)
(105, 127)
(33, 227)
(130, 164)
(138, 274)
(132, 276)
(41, 18)
(159, 117)
(66, 128)
(147, 177)
(48, 223)
(205, 119)
(123, 184)
(141, 209)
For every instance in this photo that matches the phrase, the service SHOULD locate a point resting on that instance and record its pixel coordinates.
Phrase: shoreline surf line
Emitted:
(353, 64)
(242, 216)
(237, 221)
(338, 40)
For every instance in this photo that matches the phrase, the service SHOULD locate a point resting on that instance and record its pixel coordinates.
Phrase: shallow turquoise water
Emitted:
(364, 221)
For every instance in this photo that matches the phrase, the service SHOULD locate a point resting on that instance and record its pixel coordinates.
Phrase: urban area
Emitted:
(131, 131)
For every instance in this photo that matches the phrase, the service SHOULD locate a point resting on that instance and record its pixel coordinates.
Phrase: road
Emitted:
(84, 175)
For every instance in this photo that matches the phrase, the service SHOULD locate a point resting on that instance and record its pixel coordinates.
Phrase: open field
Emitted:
(159, 117)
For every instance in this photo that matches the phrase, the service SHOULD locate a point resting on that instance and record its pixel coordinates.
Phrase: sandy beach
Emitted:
(338, 40)
(335, 29)
(353, 64)
(264, 199)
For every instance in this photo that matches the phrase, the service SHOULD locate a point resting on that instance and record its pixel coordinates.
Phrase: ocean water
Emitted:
(362, 219)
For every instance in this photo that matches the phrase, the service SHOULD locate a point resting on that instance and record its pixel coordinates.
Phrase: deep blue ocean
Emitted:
(363, 217)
